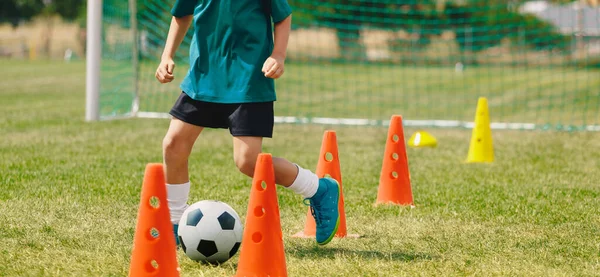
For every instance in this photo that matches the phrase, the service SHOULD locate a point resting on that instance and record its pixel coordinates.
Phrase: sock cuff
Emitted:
(182, 184)
(306, 183)
(178, 191)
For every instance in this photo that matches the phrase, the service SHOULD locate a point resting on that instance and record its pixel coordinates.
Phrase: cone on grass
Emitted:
(328, 164)
(154, 249)
(262, 252)
(422, 139)
(394, 181)
(481, 149)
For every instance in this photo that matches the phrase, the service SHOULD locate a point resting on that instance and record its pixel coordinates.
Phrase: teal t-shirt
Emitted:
(232, 40)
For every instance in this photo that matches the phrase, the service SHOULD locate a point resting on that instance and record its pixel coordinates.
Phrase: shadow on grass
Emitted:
(318, 252)
(331, 253)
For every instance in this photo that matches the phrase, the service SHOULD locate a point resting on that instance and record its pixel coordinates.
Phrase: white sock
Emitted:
(306, 183)
(177, 197)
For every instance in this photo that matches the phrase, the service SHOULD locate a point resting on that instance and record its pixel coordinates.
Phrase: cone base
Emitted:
(478, 162)
(423, 146)
(392, 203)
(302, 235)
(252, 273)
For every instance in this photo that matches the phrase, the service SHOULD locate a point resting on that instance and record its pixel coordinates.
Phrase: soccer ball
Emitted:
(210, 232)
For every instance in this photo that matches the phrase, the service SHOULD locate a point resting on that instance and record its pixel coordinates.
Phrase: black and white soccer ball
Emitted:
(210, 232)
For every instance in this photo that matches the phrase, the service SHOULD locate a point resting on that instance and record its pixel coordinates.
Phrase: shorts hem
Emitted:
(185, 119)
(244, 133)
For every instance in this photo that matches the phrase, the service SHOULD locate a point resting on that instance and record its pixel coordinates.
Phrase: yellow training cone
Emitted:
(422, 139)
(481, 149)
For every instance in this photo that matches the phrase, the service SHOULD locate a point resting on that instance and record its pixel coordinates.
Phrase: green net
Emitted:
(366, 60)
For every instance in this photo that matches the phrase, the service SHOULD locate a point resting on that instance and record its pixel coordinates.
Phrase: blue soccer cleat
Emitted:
(175, 228)
(324, 208)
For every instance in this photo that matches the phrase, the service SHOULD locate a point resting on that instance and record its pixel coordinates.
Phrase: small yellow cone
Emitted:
(422, 139)
(481, 149)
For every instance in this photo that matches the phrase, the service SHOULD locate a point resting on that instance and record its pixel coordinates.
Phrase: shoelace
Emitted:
(313, 211)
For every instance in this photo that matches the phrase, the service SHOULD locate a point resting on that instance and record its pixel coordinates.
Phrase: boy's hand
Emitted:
(273, 67)
(164, 73)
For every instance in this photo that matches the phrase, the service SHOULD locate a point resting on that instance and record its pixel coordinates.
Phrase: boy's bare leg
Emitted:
(245, 153)
(177, 146)
(323, 194)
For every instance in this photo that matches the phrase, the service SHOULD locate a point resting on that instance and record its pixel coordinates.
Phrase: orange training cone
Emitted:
(394, 181)
(262, 252)
(329, 164)
(154, 249)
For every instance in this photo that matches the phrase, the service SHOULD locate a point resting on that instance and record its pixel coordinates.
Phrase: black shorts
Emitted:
(245, 119)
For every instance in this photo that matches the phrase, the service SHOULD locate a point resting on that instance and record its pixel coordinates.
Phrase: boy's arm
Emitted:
(273, 67)
(177, 31)
(281, 38)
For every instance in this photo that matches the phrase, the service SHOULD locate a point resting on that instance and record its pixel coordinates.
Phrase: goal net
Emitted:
(360, 61)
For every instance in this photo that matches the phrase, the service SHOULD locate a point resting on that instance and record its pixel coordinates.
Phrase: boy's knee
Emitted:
(246, 163)
(174, 147)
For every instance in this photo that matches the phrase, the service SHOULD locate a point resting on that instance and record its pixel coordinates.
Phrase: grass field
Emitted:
(70, 192)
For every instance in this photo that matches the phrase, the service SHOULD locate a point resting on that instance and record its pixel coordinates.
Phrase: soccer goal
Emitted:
(359, 62)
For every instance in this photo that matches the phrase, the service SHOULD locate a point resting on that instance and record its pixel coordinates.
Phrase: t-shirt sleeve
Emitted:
(280, 10)
(183, 8)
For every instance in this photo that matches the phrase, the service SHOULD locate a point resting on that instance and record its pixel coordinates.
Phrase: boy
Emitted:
(234, 60)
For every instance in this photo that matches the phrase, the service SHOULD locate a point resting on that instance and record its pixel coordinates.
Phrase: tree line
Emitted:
(478, 24)
(16, 11)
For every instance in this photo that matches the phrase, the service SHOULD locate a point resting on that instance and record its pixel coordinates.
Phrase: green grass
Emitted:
(70, 192)
(542, 95)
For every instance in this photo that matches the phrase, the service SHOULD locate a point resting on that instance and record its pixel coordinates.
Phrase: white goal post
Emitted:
(93, 57)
